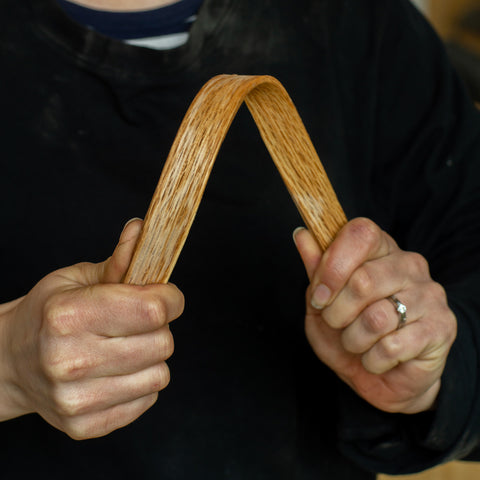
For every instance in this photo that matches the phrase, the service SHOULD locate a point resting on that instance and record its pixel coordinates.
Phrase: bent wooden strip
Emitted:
(191, 158)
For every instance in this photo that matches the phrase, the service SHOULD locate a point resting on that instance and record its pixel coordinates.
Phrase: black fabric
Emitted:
(86, 125)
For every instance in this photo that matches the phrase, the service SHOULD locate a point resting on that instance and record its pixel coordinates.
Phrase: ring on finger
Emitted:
(401, 310)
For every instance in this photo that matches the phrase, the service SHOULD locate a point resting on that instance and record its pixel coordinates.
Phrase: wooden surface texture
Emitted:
(193, 153)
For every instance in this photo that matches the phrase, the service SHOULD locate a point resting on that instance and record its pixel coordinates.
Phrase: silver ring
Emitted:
(401, 309)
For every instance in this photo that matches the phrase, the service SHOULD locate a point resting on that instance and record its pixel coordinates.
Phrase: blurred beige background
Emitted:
(450, 471)
(458, 22)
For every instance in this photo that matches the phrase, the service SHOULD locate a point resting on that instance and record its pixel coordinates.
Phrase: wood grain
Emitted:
(193, 153)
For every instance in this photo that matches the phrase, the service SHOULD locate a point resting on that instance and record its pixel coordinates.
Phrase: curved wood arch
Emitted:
(193, 153)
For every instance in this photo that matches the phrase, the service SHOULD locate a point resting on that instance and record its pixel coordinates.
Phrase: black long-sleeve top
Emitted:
(86, 123)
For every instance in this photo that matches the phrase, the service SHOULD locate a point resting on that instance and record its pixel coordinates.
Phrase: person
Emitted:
(379, 374)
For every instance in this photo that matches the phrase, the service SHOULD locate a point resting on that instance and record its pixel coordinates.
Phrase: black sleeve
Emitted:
(422, 133)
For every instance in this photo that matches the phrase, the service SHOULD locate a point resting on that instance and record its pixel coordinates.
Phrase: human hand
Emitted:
(84, 351)
(352, 325)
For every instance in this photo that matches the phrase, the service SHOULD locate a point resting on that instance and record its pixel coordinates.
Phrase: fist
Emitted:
(391, 359)
(87, 353)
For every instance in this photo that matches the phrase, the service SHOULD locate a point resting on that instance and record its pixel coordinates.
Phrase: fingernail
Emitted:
(130, 221)
(321, 296)
(297, 230)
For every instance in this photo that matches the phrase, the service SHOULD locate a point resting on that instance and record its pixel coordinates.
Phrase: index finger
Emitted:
(359, 241)
(114, 310)
(137, 310)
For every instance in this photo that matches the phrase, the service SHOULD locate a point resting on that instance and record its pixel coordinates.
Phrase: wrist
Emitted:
(12, 401)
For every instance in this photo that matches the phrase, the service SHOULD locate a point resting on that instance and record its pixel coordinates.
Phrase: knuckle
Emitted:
(49, 360)
(67, 369)
(351, 343)
(365, 231)
(443, 326)
(59, 315)
(61, 362)
(69, 402)
(53, 369)
(369, 365)
(436, 292)
(431, 333)
(375, 320)
(334, 321)
(166, 344)
(389, 347)
(177, 300)
(151, 400)
(78, 429)
(335, 267)
(451, 330)
(419, 263)
(152, 310)
(160, 377)
(362, 282)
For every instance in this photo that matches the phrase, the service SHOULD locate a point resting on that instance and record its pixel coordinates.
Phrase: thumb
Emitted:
(115, 267)
(309, 250)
